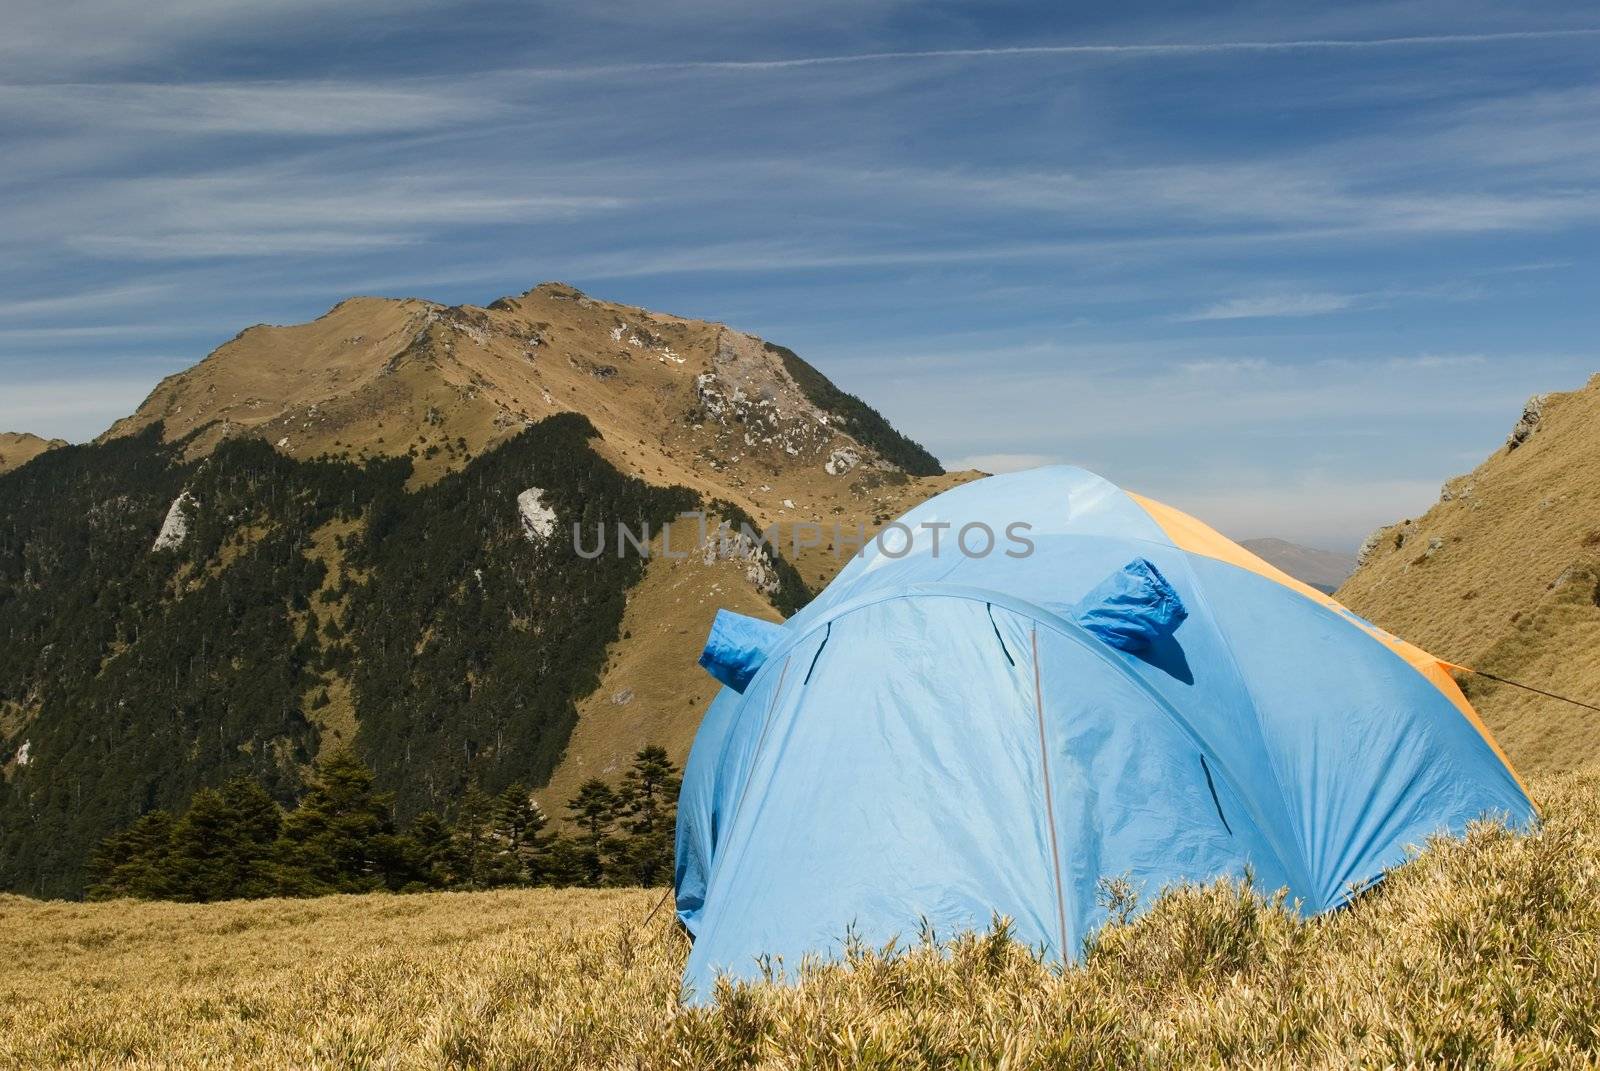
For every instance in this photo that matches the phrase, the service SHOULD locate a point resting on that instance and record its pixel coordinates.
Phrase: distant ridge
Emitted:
(1324, 570)
(17, 448)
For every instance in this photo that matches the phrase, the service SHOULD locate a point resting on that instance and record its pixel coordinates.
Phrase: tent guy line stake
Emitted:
(1525, 687)
(664, 894)
(634, 931)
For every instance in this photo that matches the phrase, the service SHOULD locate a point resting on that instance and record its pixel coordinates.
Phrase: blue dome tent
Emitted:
(1111, 690)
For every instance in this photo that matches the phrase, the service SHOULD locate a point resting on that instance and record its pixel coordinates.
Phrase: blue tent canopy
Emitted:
(943, 736)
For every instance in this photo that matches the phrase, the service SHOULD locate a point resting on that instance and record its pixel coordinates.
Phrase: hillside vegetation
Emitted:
(1480, 953)
(341, 837)
(1503, 574)
(300, 605)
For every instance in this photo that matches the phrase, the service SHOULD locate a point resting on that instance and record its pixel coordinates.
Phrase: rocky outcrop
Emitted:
(1459, 489)
(538, 519)
(175, 528)
(728, 543)
(841, 461)
(1532, 414)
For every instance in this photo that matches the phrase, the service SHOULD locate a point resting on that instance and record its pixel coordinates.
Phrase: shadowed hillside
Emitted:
(170, 624)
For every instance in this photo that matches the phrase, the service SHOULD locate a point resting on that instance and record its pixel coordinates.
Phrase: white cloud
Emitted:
(43, 40)
(1224, 366)
(184, 244)
(1267, 305)
(1434, 362)
(315, 109)
(1324, 192)
(134, 294)
(84, 331)
(298, 209)
(1155, 50)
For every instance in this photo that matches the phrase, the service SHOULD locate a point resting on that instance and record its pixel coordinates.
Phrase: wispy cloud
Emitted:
(284, 209)
(1224, 366)
(1267, 305)
(1155, 49)
(44, 39)
(98, 331)
(310, 108)
(1434, 362)
(275, 242)
(84, 300)
(1361, 187)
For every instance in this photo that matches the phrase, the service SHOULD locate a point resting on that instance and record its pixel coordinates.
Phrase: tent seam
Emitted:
(755, 755)
(1049, 795)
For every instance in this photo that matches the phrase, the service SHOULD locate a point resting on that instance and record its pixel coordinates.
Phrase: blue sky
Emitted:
(1289, 267)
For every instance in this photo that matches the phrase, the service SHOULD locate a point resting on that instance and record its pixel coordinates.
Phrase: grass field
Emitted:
(1482, 953)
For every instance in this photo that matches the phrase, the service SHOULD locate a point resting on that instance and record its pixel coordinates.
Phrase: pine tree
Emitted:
(342, 837)
(197, 862)
(430, 852)
(211, 855)
(256, 822)
(647, 808)
(235, 843)
(518, 828)
(594, 809)
(134, 862)
(475, 847)
(565, 862)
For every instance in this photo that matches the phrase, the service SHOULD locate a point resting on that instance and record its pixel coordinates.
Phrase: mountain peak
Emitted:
(676, 400)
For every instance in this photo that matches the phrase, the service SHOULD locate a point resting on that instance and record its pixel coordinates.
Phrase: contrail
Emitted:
(1155, 49)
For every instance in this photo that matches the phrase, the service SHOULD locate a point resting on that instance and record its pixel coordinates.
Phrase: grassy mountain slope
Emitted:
(676, 401)
(319, 535)
(17, 448)
(1480, 953)
(1503, 574)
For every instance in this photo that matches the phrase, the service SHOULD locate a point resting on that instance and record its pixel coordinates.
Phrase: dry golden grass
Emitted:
(1482, 953)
